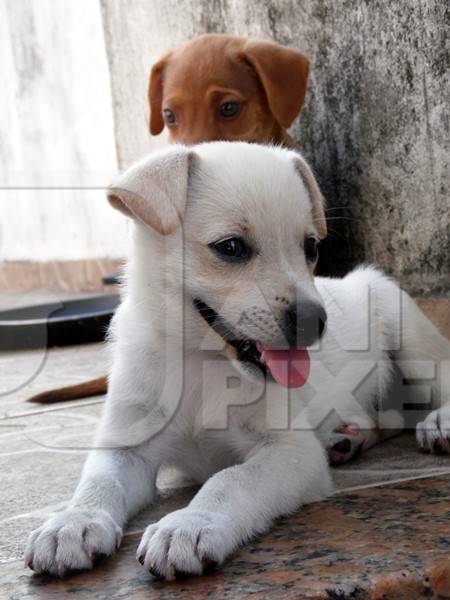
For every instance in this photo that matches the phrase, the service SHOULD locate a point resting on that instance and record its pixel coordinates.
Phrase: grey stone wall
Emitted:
(375, 126)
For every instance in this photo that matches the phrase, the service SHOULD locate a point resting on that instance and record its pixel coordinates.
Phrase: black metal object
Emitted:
(112, 278)
(62, 323)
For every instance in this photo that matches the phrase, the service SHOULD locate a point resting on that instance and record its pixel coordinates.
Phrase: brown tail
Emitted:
(95, 387)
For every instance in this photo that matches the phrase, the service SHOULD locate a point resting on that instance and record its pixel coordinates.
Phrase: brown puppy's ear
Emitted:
(315, 195)
(154, 190)
(283, 73)
(155, 95)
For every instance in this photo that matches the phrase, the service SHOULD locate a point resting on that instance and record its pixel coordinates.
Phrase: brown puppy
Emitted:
(218, 87)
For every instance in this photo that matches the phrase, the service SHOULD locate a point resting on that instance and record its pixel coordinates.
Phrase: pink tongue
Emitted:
(289, 368)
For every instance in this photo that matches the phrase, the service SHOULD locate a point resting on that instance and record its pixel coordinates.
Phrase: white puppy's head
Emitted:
(251, 218)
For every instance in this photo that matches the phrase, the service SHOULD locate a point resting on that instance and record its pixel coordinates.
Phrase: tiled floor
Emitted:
(344, 544)
(388, 545)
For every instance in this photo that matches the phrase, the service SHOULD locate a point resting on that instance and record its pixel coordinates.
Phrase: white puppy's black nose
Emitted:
(304, 323)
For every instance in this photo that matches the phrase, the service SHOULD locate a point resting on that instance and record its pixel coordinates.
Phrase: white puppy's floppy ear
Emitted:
(154, 190)
(314, 193)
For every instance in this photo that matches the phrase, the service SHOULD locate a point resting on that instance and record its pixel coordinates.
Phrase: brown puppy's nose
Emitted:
(304, 323)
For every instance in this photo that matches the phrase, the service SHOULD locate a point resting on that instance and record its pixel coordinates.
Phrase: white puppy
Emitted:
(211, 369)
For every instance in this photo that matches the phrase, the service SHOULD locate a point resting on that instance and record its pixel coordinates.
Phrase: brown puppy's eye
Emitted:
(311, 249)
(229, 109)
(169, 116)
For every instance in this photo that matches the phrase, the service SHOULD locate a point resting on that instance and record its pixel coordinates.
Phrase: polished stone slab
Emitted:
(388, 542)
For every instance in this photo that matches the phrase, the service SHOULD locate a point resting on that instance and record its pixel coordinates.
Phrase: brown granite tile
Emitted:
(382, 543)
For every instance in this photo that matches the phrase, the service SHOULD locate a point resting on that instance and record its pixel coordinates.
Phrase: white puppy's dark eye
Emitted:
(229, 109)
(231, 249)
(169, 116)
(311, 249)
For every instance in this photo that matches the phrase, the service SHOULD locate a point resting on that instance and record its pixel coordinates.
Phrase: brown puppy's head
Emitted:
(220, 87)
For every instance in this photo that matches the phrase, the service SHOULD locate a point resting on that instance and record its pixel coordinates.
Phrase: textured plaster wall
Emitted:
(376, 122)
(57, 143)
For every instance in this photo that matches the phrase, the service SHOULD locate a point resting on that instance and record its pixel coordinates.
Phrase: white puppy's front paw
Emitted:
(71, 541)
(186, 542)
(433, 434)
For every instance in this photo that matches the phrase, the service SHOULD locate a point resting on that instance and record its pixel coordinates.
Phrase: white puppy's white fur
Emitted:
(257, 449)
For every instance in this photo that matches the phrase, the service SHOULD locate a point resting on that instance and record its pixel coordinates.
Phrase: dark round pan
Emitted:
(59, 324)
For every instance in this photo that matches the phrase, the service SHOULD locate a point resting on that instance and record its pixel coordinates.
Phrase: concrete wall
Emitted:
(56, 134)
(375, 126)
